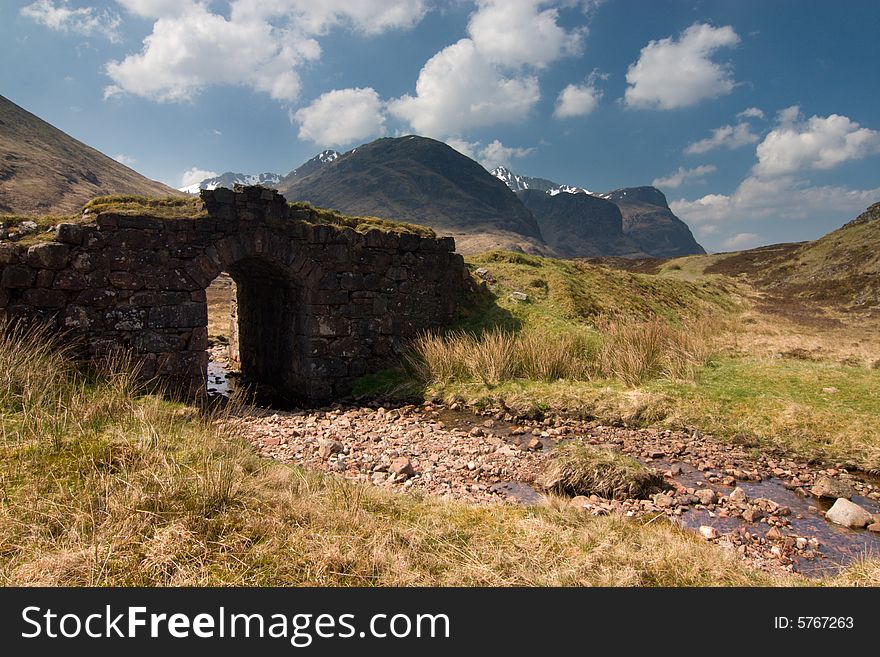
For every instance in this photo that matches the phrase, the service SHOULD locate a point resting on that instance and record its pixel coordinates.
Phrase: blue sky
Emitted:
(759, 120)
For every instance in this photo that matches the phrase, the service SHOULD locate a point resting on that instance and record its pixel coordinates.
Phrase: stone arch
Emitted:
(323, 304)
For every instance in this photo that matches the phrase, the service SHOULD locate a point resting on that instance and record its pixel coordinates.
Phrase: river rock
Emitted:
(401, 466)
(327, 448)
(848, 514)
(831, 488)
(709, 533)
(706, 496)
(874, 527)
(738, 496)
(663, 501)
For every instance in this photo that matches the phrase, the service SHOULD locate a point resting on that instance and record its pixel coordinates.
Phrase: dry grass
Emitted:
(578, 469)
(138, 491)
(315, 215)
(638, 352)
(630, 352)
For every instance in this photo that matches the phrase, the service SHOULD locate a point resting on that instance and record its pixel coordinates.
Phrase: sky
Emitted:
(759, 120)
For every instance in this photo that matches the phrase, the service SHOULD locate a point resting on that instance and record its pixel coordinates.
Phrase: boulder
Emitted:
(848, 514)
(706, 496)
(831, 488)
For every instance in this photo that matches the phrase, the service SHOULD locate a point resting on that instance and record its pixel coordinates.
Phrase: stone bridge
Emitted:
(318, 305)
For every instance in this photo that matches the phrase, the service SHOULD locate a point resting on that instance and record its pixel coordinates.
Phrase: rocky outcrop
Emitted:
(649, 222)
(580, 225)
(318, 305)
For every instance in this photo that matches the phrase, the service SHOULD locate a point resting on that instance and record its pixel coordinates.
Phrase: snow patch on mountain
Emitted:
(230, 179)
(519, 183)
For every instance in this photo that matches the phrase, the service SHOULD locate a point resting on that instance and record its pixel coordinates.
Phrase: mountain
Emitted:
(520, 183)
(649, 222)
(45, 171)
(423, 181)
(580, 224)
(649, 226)
(230, 179)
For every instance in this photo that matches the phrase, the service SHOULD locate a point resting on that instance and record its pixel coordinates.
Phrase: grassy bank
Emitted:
(101, 486)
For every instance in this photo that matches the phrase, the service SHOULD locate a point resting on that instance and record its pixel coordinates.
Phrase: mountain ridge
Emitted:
(44, 170)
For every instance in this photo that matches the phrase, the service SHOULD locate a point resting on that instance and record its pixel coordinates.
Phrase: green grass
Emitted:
(567, 293)
(308, 212)
(172, 207)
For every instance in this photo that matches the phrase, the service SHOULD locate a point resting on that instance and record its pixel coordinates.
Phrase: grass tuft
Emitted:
(578, 469)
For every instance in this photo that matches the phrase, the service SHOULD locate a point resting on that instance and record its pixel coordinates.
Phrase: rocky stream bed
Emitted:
(770, 511)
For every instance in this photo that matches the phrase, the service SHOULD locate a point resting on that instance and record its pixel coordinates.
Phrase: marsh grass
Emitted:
(631, 352)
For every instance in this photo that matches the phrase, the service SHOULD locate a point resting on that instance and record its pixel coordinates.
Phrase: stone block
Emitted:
(48, 256)
(184, 315)
(17, 277)
(69, 234)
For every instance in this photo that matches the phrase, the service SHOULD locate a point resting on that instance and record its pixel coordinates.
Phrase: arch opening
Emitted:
(256, 310)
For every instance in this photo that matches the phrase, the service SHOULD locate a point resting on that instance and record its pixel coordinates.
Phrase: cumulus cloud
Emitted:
(671, 74)
(492, 154)
(86, 21)
(520, 32)
(195, 175)
(489, 77)
(577, 100)
(260, 44)
(727, 136)
(799, 144)
(341, 116)
(682, 175)
(459, 89)
(750, 113)
(742, 241)
(777, 198)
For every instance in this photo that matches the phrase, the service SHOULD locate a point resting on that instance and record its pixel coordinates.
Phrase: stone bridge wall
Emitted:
(318, 305)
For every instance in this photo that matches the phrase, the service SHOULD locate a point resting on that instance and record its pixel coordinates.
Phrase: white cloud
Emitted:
(742, 241)
(750, 113)
(195, 175)
(798, 144)
(341, 116)
(488, 78)
(86, 21)
(681, 175)
(727, 136)
(671, 74)
(774, 198)
(128, 161)
(259, 44)
(492, 154)
(520, 32)
(458, 89)
(577, 100)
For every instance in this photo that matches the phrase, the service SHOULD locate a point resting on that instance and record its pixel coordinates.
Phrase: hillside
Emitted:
(580, 225)
(422, 181)
(648, 220)
(841, 269)
(45, 171)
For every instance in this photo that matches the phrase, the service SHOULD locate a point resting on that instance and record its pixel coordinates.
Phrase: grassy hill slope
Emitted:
(45, 171)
